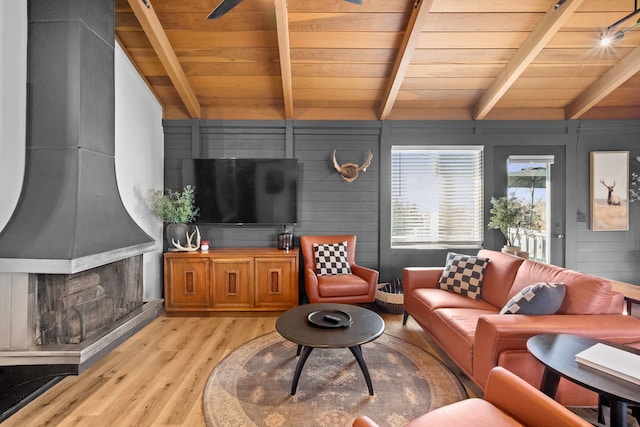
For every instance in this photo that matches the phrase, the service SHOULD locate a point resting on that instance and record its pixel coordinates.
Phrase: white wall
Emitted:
(139, 145)
(139, 155)
(13, 103)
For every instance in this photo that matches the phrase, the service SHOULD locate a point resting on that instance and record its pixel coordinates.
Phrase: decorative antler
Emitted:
(608, 187)
(189, 247)
(350, 171)
(367, 163)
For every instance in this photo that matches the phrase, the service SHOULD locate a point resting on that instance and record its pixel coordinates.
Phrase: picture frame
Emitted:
(609, 190)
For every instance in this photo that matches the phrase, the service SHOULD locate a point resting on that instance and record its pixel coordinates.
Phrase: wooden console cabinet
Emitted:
(230, 280)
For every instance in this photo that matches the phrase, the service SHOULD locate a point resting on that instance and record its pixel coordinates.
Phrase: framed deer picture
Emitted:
(609, 190)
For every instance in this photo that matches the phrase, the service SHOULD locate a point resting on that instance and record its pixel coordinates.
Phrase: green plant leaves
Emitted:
(174, 207)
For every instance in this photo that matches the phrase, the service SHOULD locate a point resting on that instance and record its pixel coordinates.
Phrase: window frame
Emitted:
(478, 191)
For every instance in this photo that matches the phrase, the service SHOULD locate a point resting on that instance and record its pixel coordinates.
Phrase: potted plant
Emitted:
(176, 209)
(508, 215)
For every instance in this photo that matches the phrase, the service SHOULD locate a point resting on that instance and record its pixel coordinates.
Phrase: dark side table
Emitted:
(365, 327)
(557, 354)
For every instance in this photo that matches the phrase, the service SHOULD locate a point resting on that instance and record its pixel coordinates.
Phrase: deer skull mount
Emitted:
(350, 171)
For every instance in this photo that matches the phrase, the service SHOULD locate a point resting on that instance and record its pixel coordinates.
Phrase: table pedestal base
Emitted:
(618, 409)
(304, 352)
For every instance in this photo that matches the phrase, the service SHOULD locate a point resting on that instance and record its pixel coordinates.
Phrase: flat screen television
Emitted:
(244, 191)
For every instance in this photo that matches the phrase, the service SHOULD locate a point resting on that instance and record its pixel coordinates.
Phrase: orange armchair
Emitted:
(508, 401)
(359, 286)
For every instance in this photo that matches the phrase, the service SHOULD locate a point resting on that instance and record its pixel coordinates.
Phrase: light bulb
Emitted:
(607, 38)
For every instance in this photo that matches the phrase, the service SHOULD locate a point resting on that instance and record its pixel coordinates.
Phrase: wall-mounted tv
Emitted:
(244, 191)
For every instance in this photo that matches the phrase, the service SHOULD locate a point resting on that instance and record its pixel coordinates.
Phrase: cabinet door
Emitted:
(233, 283)
(187, 284)
(276, 282)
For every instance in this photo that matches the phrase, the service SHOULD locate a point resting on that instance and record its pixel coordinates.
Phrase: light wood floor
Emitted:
(156, 378)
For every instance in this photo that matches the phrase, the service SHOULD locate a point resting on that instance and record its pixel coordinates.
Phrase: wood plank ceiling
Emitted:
(385, 59)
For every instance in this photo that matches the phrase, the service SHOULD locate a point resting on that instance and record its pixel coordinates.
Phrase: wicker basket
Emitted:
(390, 297)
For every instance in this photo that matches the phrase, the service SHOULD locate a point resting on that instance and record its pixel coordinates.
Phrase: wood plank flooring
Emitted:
(156, 378)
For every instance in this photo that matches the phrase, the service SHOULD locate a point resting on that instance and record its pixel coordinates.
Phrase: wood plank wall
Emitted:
(330, 205)
(612, 254)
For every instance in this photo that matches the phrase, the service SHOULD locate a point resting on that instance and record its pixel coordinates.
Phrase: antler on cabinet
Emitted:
(189, 247)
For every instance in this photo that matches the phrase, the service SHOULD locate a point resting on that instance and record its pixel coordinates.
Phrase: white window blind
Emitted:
(436, 196)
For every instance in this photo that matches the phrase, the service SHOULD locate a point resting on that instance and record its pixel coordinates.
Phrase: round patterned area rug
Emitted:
(252, 385)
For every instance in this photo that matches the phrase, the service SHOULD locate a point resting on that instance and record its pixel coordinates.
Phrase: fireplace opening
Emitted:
(74, 307)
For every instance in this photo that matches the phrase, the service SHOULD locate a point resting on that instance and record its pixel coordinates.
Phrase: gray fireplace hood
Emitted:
(70, 216)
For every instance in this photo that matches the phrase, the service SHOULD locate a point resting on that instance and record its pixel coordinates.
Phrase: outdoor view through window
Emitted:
(529, 183)
(437, 196)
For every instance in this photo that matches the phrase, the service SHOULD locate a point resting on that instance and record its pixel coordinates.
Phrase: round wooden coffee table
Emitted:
(348, 326)
(557, 354)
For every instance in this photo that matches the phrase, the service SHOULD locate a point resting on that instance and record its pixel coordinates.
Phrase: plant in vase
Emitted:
(176, 209)
(507, 215)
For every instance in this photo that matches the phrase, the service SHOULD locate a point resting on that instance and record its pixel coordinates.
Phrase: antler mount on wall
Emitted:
(350, 171)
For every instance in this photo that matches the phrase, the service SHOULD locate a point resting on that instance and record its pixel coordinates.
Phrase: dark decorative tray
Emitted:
(329, 319)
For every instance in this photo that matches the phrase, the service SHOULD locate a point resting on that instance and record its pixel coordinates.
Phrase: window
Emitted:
(436, 196)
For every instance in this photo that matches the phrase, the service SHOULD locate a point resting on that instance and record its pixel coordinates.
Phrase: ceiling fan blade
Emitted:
(224, 7)
(359, 2)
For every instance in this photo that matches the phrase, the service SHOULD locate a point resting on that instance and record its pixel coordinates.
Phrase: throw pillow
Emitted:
(331, 259)
(537, 299)
(463, 274)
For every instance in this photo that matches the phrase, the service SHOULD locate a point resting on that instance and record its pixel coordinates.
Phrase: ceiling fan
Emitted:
(226, 5)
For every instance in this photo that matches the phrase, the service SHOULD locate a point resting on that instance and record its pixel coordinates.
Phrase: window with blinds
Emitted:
(436, 196)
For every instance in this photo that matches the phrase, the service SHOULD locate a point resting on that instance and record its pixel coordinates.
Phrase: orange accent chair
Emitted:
(508, 401)
(357, 287)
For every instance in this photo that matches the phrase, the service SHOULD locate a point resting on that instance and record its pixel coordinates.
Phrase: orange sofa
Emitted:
(508, 401)
(478, 338)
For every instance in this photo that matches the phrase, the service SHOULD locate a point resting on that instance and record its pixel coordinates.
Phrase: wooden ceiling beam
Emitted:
(407, 48)
(620, 73)
(548, 26)
(158, 38)
(284, 48)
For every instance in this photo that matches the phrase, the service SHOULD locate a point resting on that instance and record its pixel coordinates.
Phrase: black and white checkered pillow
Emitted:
(331, 259)
(463, 274)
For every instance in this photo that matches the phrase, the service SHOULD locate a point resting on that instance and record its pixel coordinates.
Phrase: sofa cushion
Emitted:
(340, 285)
(423, 302)
(463, 274)
(499, 276)
(454, 330)
(585, 294)
(331, 259)
(539, 298)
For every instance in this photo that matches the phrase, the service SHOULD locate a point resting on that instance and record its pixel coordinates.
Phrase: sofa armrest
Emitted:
(420, 277)
(311, 284)
(526, 404)
(496, 333)
(368, 274)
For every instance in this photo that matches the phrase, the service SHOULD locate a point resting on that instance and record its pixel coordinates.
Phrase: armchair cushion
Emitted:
(463, 274)
(341, 285)
(537, 299)
(331, 259)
